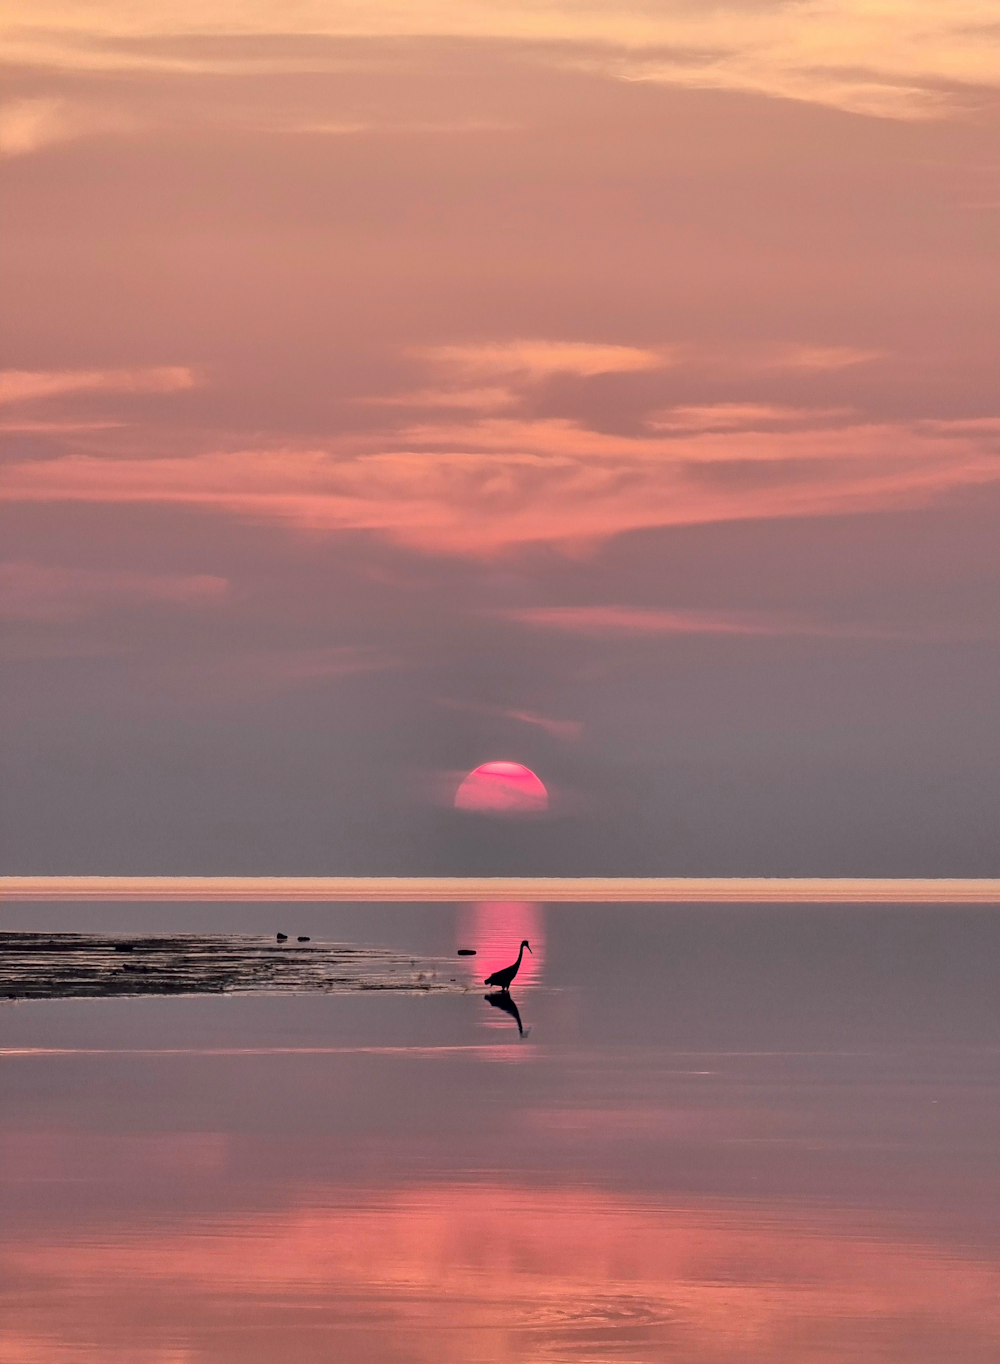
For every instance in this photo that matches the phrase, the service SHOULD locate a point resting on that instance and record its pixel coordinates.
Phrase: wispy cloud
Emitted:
(537, 359)
(900, 59)
(637, 622)
(32, 427)
(268, 669)
(31, 591)
(470, 399)
(29, 125)
(416, 127)
(23, 385)
(610, 621)
(32, 124)
(558, 729)
(490, 376)
(473, 487)
(813, 358)
(741, 417)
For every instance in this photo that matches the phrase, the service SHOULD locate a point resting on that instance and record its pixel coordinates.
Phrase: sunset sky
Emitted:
(391, 388)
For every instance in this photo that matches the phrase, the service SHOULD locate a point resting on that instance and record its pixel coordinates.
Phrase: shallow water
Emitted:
(728, 1133)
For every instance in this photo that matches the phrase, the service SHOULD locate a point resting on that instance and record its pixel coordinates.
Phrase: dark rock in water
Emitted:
(303, 938)
(282, 937)
(466, 951)
(124, 947)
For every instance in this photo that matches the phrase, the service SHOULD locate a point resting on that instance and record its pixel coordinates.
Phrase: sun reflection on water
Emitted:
(495, 931)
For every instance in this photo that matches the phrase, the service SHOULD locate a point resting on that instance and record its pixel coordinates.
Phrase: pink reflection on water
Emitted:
(494, 1272)
(495, 931)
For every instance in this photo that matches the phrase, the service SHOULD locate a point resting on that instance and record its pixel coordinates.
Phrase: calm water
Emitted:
(728, 1133)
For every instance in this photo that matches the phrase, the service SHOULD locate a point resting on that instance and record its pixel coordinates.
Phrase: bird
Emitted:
(503, 978)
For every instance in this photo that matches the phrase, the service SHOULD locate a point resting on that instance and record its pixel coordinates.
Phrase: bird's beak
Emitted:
(528, 946)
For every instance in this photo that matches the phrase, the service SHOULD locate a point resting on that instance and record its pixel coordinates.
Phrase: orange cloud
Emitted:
(540, 359)
(22, 385)
(816, 358)
(57, 428)
(491, 376)
(904, 59)
(28, 125)
(474, 399)
(740, 417)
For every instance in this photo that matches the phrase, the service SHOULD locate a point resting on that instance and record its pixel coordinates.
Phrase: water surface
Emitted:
(764, 1133)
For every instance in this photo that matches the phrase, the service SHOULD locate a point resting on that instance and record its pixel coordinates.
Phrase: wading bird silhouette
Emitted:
(503, 978)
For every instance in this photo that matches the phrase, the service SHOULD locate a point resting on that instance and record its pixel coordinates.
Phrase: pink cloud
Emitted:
(472, 485)
(30, 591)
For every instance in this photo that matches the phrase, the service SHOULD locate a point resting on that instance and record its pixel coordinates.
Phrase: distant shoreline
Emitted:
(567, 889)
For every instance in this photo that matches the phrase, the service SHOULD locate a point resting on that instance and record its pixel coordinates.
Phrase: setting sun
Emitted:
(502, 788)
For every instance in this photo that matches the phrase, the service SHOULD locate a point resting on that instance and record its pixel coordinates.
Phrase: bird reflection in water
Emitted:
(494, 929)
(502, 1000)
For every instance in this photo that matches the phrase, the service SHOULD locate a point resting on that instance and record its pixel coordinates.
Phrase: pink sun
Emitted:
(502, 788)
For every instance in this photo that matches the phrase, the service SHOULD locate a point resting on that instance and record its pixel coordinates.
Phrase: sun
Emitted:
(502, 788)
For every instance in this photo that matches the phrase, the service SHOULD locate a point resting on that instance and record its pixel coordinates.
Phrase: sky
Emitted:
(392, 388)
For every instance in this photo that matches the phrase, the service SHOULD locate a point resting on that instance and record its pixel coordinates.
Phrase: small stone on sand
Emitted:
(282, 937)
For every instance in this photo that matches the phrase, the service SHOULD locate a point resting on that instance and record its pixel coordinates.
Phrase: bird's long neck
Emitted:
(520, 954)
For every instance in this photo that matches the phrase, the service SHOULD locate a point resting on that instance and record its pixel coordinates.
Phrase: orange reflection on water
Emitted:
(492, 1272)
(495, 930)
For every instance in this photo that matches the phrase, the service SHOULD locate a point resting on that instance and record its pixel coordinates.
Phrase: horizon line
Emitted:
(565, 889)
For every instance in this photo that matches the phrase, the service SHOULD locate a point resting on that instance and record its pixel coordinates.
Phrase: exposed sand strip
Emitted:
(662, 889)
